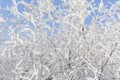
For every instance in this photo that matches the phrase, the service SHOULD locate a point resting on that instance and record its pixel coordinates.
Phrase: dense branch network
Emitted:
(49, 42)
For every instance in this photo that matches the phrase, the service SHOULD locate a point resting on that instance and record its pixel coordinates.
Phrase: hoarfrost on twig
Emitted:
(52, 42)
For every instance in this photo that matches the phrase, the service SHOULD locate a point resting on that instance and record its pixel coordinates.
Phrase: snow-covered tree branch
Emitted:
(43, 40)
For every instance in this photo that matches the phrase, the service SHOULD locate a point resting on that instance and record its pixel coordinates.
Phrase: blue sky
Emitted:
(5, 3)
(56, 3)
(96, 2)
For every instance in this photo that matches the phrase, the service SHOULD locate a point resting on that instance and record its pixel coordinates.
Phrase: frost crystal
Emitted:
(51, 41)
